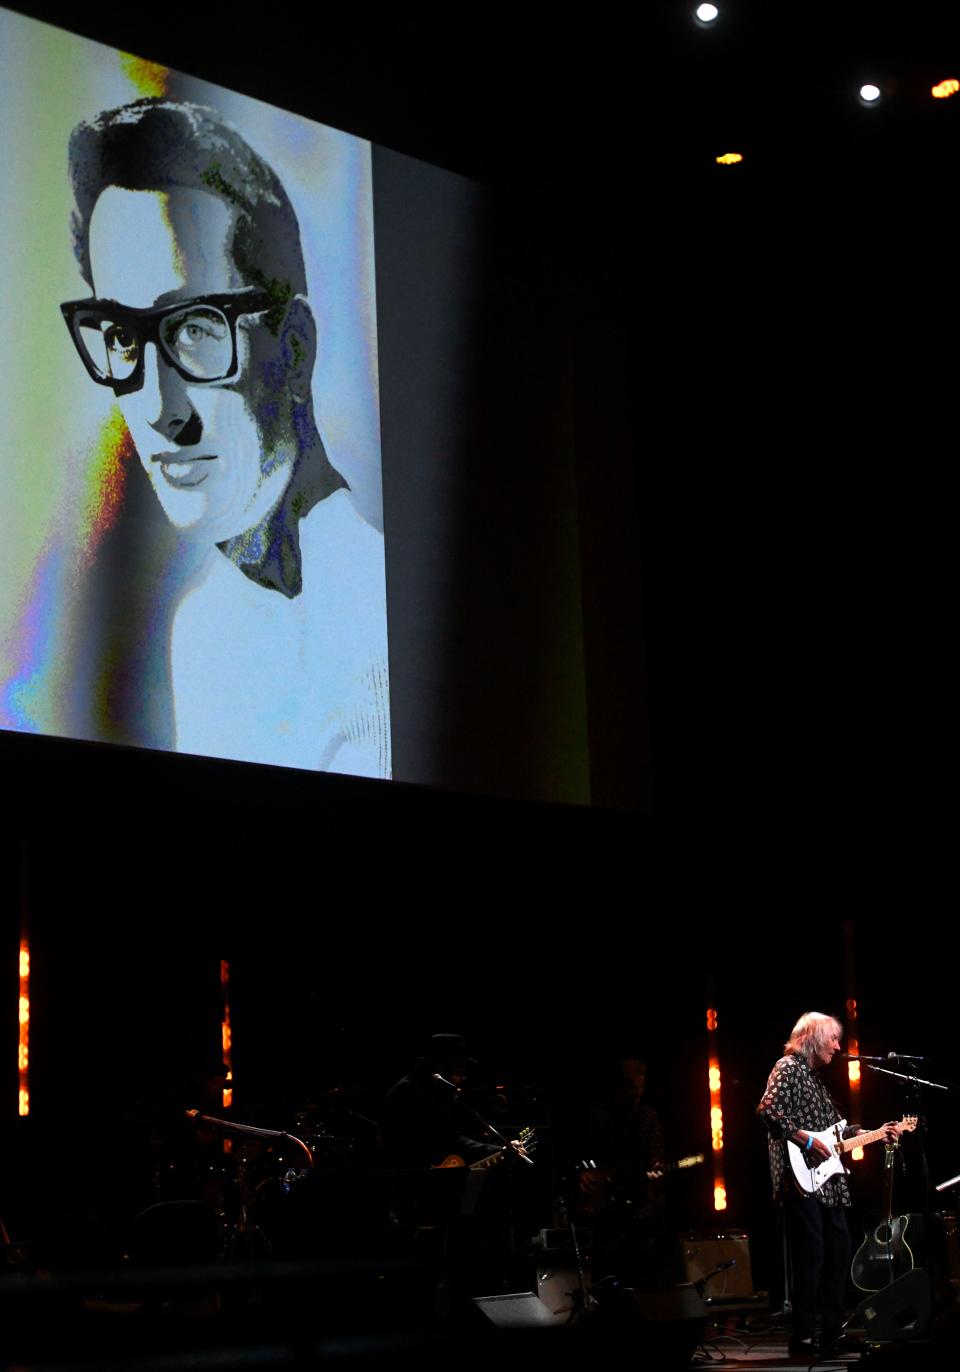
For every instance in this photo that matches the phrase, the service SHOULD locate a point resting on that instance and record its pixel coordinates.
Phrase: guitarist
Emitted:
(622, 1198)
(796, 1105)
(422, 1120)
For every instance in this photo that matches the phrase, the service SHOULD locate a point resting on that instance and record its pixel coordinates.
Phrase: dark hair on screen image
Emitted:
(157, 144)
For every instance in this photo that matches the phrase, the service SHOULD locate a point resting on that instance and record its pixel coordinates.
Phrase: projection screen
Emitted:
(194, 557)
(271, 392)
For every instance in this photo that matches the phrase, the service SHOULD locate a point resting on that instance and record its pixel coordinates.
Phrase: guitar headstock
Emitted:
(908, 1124)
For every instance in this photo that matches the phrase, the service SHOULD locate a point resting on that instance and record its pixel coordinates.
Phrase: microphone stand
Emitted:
(487, 1126)
(508, 1146)
(583, 1300)
(913, 1086)
(915, 1082)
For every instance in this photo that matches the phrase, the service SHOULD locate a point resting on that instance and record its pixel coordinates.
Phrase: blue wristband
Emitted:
(809, 1143)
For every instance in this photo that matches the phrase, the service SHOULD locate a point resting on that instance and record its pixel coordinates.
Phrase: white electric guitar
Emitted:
(811, 1173)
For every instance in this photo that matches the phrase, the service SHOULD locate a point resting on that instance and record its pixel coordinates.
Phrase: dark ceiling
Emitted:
(498, 92)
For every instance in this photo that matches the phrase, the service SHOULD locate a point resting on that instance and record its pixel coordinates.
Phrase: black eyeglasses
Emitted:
(197, 337)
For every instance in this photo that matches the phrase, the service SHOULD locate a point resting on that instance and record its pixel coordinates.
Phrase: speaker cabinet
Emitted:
(521, 1311)
(703, 1253)
(673, 1325)
(900, 1311)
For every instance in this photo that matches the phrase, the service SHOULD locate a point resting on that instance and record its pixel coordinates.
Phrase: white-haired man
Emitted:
(796, 1106)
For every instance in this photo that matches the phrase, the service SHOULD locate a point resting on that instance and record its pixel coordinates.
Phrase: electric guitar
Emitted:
(615, 1190)
(526, 1139)
(811, 1173)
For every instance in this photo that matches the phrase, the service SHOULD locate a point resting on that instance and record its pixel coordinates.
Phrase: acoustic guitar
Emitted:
(884, 1254)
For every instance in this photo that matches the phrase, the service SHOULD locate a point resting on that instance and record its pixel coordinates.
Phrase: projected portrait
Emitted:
(200, 326)
(224, 591)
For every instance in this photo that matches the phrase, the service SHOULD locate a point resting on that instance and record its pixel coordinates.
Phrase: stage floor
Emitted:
(765, 1350)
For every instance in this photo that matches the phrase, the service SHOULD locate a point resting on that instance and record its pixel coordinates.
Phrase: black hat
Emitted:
(448, 1048)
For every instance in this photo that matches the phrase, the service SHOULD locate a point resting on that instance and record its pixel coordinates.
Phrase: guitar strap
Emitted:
(831, 1105)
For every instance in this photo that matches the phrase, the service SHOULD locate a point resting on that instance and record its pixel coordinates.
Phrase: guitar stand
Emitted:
(784, 1315)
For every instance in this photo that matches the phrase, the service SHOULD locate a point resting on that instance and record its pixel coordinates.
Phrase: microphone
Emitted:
(437, 1077)
(904, 1057)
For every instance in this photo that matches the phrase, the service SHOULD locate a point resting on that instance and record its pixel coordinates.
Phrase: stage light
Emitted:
(226, 1035)
(707, 13)
(869, 94)
(730, 159)
(23, 1048)
(716, 1129)
(853, 1076)
(944, 89)
(716, 1108)
(716, 1111)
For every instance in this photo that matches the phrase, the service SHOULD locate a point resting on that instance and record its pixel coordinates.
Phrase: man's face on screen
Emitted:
(219, 454)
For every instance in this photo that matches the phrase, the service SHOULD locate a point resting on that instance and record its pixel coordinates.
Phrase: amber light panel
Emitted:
(853, 1072)
(716, 1113)
(23, 1052)
(226, 1036)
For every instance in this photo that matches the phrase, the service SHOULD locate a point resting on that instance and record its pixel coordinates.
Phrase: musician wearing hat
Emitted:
(423, 1122)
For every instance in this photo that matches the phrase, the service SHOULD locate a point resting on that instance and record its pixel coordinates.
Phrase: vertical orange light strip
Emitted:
(225, 1035)
(716, 1113)
(853, 1069)
(23, 1055)
(853, 1028)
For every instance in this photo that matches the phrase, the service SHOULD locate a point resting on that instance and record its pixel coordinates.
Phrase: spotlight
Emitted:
(944, 89)
(869, 94)
(707, 13)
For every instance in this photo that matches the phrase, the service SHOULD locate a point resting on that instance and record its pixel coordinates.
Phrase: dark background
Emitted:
(764, 393)
(339, 986)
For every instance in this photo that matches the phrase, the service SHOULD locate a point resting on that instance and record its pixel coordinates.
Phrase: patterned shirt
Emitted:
(795, 1098)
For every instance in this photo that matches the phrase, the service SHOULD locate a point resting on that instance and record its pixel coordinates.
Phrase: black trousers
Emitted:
(820, 1254)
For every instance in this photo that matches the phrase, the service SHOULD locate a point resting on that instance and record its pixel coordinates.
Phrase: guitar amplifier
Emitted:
(704, 1252)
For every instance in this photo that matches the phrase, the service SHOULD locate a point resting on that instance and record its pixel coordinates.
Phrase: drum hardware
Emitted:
(253, 1131)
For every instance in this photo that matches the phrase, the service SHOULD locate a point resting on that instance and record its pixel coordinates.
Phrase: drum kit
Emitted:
(262, 1183)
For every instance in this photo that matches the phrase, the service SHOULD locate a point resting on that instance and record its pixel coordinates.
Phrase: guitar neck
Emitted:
(859, 1140)
(525, 1140)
